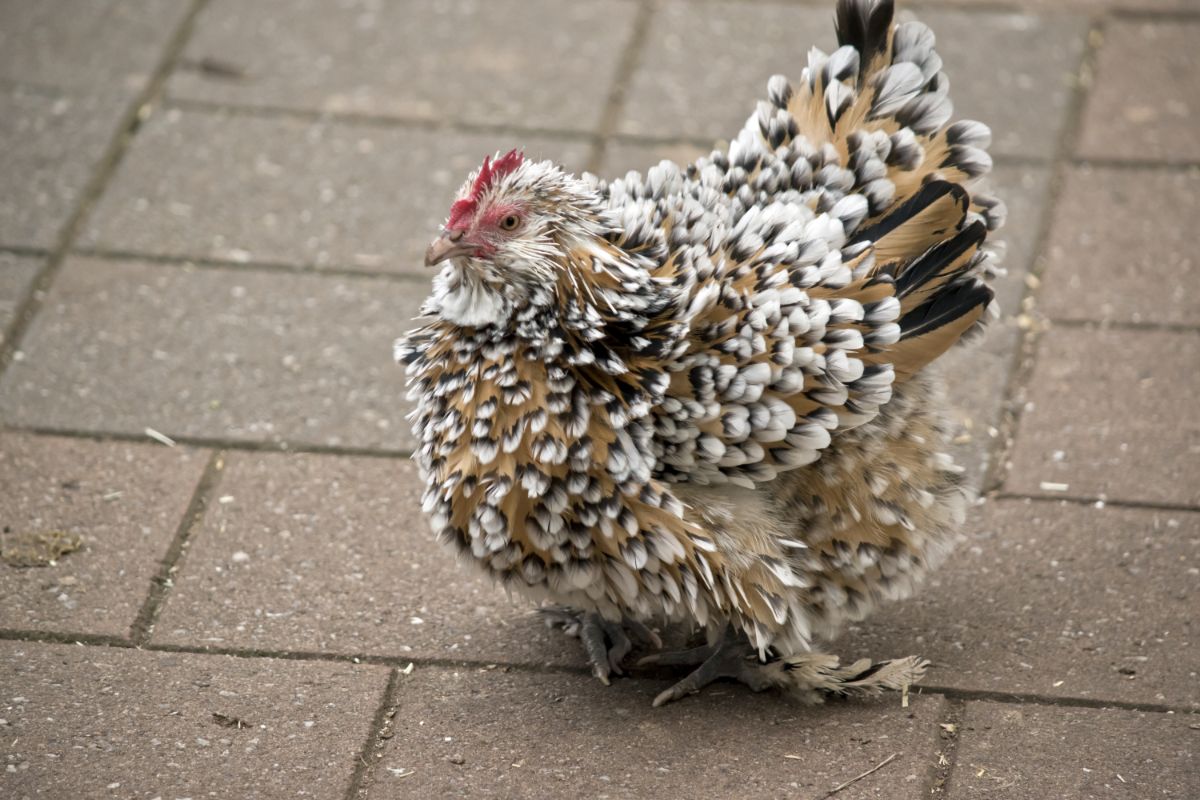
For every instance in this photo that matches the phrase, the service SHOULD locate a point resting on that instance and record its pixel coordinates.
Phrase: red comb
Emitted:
(489, 173)
(492, 170)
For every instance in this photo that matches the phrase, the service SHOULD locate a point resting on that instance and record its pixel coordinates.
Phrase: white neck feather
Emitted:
(463, 299)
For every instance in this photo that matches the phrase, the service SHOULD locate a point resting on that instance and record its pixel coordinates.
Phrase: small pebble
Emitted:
(456, 759)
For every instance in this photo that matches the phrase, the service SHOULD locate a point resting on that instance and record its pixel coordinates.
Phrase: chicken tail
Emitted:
(882, 100)
(935, 260)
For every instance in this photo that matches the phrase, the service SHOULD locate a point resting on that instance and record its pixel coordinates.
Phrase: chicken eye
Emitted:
(510, 222)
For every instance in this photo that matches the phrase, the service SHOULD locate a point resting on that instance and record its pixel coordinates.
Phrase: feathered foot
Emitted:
(810, 676)
(730, 657)
(606, 643)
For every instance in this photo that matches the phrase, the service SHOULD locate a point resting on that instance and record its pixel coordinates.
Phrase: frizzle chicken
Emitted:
(704, 396)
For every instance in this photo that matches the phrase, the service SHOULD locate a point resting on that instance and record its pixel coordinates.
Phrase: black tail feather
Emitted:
(864, 24)
(947, 305)
(928, 194)
(938, 258)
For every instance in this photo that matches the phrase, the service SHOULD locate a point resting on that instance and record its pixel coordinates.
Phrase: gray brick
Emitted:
(1013, 71)
(1146, 94)
(705, 65)
(49, 148)
(226, 353)
(1058, 600)
(978, 373)
(1024, 190)
(124, 501)
(109, 722)
(1020, 752)
(316, 553)
(709, 64)
(1140, 264)
(512, 734)
(110, 45)
(1111, 413)
(282, 190)
(623, 155)
(16, 276)
(1084, 6)
(536, 64)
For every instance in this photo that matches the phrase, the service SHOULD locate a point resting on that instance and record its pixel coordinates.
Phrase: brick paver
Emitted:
(16, 276)
(675, 93)
(49, 145)
(1029, 753)
(1058, 600)
(1139, 264)
(1011, 71)
(1081, 6)
(243, 188)
(496, 733)
(331, 554)
(245, 258)
(86, 44)
(1108, 416)
(489, 63)
(1146, 104)
(123, 501)
(111, 722)
(269, 356)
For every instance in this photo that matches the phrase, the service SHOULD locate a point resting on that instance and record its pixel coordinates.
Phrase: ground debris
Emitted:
(37, 548)
(229, 722)
(214, 68)
(860, 776)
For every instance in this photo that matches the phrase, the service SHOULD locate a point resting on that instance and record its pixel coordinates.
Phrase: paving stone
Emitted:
(1108, 415)
(49, 147)
(1140, 266)
(1013, 71)
(1010, 70)
(976, 374)
(1010, 752)
(125, 502)
(1096, 6)
(216, 353)
(538, 64)
(707, 64)
(1145, 99)
(623, 155)
(319, 553)
(86, 44)
(242, 188)
(1024, 190)
(16, 276)
(110, 722)
(1061, 600)
(490, 733)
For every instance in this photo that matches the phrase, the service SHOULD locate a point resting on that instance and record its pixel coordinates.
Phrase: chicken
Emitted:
(705, 396)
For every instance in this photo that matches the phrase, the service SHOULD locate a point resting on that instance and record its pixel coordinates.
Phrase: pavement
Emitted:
(211, 225)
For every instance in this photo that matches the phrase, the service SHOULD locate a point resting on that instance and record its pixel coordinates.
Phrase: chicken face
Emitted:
(481, 220)
(493, 222)
(510, 221)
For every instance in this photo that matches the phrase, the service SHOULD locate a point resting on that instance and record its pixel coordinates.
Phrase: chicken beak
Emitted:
(449, 245)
